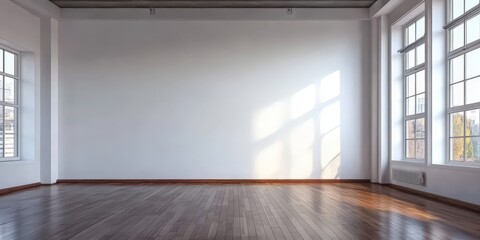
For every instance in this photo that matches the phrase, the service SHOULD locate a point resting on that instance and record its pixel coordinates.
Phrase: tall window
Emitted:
(414, 77)
(9, 78)
(463, 54)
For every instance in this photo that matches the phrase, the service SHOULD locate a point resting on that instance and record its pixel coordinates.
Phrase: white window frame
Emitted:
(451, 54)
(16, 104)
(405, 73)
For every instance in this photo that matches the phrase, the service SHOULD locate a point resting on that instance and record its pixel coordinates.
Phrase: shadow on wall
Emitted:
(302, 131)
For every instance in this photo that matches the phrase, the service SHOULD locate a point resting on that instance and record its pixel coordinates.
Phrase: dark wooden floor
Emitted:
(231, 211)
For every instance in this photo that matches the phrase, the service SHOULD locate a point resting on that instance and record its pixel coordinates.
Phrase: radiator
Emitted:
(409, 176)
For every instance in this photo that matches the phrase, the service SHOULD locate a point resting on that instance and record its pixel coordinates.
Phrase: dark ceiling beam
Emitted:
(213, 3)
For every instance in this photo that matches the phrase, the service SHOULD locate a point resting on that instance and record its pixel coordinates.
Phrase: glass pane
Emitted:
(410, 105)
(1, 61)
(10, 145)
(9, 120)
(457, 8)
(411, 59)
(473, 29)
(1, 123)
(1, 88)
(457, 94)
(456, 37)
(472, 123)
(420, 27)
(420, 54)
(456, 149)
(411, 85)
(420, 103)
(473, 90)
(9, 63)
(457, 69)
(475, 156)
(456, 124)
(1, 145)
(470, 4)
(410, 149)
(472, 149)
(9, 90)
(420, 128)
(473, 63)
(410, 129)
(420, 149)
(411, 34)
(420, 81)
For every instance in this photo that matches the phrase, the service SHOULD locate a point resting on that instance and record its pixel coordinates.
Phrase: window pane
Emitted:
(457, 94)
(420, 81)
(1, 88)
(410, 129)
(473, 63)
(457, 8)
(456, 124)
(411, 34)
(9, 145)
(410, 105)
(411, 85)
(1, 145)
(420, 149)
(420, 103)
(473, 29)
(9, 120)
(472, 149)
(456, 149)
(473, 90)
(9, 90)
(456, 37)
(1, 123)
(420, 27)
(411, 59)
(9, 63)
(472, 123)
(420, 128)
(457, 69)
(1, 61)
(420, 54)
(410, 149)
(470, 4)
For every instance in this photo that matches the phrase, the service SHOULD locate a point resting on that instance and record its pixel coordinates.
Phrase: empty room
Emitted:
(239, 119)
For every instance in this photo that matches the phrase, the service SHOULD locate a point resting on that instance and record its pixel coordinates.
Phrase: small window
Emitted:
(415, 88)
(463, 58)
(9, 107)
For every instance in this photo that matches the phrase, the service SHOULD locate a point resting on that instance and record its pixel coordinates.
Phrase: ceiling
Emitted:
(213, 3)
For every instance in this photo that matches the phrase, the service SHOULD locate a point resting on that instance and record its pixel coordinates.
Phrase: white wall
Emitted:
(214, 99)
(20, 30)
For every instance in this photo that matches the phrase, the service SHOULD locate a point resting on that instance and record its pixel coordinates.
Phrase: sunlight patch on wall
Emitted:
(330, 117)
(330, 153)
(268, 160)
(268, 120)
(301, 141)
(302, 102)
(329, 87)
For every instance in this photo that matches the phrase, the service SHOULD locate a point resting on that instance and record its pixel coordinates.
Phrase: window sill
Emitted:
(12, 159)
(474, 168)
(411, 162)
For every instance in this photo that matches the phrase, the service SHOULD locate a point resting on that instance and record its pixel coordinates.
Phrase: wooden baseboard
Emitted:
(447, 200)
(209, 181)
(18, 188)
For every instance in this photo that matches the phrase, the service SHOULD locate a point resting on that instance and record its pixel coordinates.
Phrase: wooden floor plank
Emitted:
(230, 211)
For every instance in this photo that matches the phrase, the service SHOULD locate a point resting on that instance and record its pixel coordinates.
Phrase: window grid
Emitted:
(9, 107)
(414, 74)
(463, 100)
